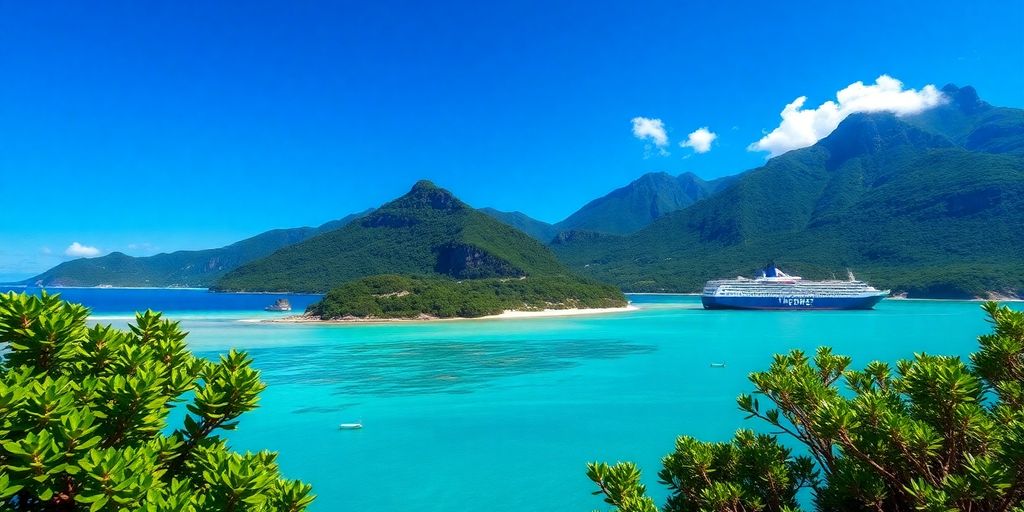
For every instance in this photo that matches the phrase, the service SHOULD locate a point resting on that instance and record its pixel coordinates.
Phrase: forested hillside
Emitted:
(931, 205)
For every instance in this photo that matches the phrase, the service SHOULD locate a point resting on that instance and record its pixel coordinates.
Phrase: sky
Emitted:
(146, 127)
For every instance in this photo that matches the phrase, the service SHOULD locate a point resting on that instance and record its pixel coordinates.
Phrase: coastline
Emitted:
(507, 315)
(991, 296)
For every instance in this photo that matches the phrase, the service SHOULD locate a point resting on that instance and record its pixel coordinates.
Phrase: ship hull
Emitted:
(791, 302)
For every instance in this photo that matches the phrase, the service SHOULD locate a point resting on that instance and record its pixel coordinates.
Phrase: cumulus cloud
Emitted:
(802, 127)
(700, 140)
(77, 250)
(652, 130)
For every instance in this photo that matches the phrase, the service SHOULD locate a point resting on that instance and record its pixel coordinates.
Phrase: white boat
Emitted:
(775, 289)
(280, 305)
(351, 426)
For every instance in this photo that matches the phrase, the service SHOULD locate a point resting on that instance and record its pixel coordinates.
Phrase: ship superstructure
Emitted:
(774, 289)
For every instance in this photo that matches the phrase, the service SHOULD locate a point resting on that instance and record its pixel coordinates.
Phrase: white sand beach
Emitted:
(507, 315)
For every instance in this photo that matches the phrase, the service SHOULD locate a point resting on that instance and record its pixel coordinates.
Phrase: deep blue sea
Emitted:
(502, 415)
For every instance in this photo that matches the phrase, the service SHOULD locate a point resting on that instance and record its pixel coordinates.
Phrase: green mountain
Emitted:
(428, 231)
(931, 205)
(540, 230)
(974, 124)
(623, 210)
(181, 268)
(630, 208)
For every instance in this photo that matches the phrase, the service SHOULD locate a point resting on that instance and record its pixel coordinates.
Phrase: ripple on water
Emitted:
(417, 367)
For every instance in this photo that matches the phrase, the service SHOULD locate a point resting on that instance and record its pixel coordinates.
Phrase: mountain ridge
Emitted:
(635, 205)
(812, 205)
(185, 268)
(427, 231)
(888, 196)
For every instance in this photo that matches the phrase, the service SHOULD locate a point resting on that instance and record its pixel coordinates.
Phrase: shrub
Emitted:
(83, 418)
(932, 434)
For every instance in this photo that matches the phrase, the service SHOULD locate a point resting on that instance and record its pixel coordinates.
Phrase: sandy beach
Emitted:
(507, 315)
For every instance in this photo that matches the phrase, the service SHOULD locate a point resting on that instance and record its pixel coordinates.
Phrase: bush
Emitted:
(396, 296)
(935, 435)
(83, 418)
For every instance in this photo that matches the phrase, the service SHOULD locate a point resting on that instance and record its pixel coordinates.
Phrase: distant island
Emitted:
(929, 205)
(179, 269)
(430, 297)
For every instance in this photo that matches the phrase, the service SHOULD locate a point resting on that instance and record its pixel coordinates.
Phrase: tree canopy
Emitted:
(394, 296)
(934, 433)
(84, 418)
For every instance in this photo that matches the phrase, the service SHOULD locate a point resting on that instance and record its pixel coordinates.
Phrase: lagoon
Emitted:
(502, 415)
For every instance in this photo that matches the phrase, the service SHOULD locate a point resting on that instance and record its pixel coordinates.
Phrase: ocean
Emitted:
(503, 415)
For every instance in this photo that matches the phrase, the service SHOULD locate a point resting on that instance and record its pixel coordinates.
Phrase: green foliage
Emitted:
(427, 231)
(630, 208)
(932, 434)
(906, 209)
(180, 268)
(539, 230)
(393, 296)
(83, 416)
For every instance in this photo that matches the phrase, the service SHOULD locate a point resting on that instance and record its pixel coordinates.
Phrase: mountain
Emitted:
(540, 230)
(181, 268)
(931, 205)
(623, 210)
(630, 208)
(973, 124)
(428, 231)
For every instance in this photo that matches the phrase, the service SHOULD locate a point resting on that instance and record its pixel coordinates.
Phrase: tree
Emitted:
(83, 418)
(934, 434)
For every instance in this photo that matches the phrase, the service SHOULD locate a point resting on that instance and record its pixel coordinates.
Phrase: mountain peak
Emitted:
(870, 133)
(689, 177)
(426, 195)
(424, 185)
(651, 180)
(966, 98)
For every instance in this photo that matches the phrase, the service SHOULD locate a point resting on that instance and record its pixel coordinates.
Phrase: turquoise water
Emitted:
(502, 415)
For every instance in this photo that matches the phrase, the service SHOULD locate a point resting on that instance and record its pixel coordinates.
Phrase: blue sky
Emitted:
(146, 126)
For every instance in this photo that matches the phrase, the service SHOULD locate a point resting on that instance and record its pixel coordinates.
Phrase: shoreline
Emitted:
(507, 315)
(998, 297)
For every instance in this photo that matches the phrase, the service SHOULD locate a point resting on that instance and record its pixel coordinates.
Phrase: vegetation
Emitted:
(539, 230)
(392, 296)
(180, 268)
(628, 209)
(83, 418)
(930, 205)
(427, 231)
(906, 208)
(932, 434)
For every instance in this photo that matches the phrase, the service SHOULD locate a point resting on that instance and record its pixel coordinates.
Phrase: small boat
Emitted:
(718, 365)
(280, 305)
(351, 426)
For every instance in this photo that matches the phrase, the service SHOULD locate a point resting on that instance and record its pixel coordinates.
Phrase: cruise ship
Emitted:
(775, 289)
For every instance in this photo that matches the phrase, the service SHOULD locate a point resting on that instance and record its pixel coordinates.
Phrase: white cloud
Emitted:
(700, 140)
(77, 250)
(803, 127)
(650, 129)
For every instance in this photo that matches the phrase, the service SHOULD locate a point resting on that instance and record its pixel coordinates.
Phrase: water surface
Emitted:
(502, 415)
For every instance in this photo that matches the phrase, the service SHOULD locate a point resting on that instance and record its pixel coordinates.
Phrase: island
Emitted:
(424, 255)
(396, 297)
